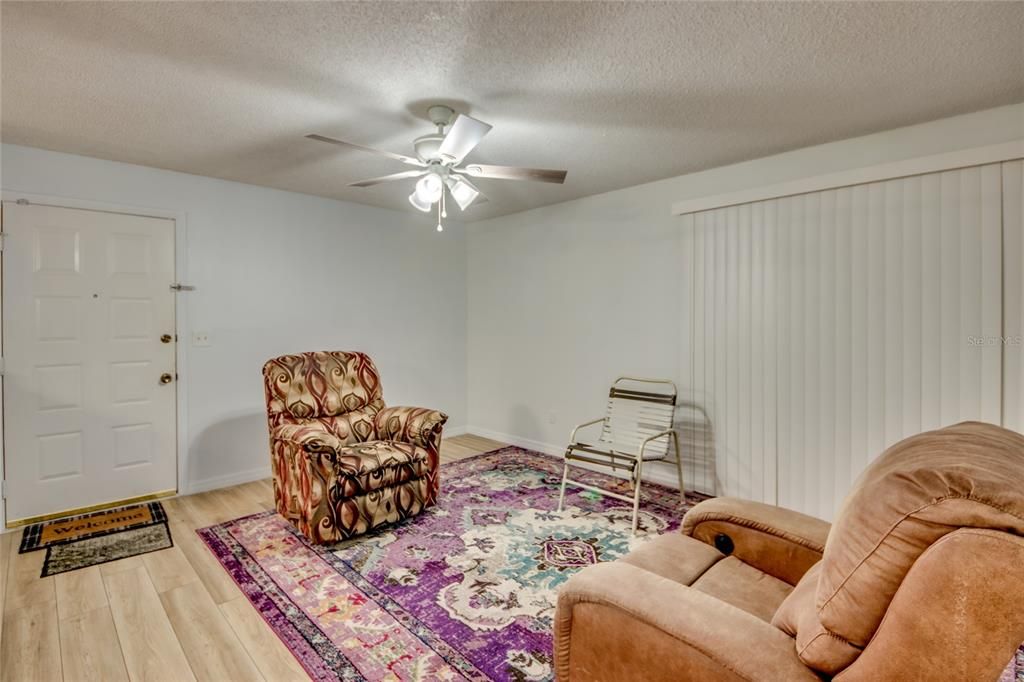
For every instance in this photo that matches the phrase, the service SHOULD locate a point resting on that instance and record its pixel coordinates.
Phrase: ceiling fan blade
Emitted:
(464, 134)
(480, 170)
(388, 178)
(397, 157)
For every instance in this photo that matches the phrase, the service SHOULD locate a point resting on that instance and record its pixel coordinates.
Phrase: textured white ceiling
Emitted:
(616, 93)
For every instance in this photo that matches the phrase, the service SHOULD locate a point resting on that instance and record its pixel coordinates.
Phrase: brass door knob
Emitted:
(165, 338)
(166, 378)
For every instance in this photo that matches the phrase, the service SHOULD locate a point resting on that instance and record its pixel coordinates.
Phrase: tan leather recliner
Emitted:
(920, 578)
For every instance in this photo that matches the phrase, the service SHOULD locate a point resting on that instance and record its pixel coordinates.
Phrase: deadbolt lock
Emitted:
(166, 378)
(165, 338)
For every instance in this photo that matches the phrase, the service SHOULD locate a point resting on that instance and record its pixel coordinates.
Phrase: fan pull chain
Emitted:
(440, 211)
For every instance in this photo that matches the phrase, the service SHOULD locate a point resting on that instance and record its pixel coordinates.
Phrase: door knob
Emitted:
(165, 338)
(166, 378)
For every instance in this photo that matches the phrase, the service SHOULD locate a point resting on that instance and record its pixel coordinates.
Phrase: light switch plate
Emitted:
(200, 338)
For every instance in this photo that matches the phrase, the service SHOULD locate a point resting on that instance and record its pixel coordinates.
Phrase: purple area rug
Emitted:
(464, 591)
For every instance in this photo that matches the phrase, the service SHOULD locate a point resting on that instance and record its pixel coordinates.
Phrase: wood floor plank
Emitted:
(213, 576)
(212, 648)
(6, 540)
(89, 647)
(24, 586)
(205, 509)
(240, 503)
(126, 564)
(79, 591)
(149, 643)
(260, 493)
(269, 654)
(169, 568)
(30, 650)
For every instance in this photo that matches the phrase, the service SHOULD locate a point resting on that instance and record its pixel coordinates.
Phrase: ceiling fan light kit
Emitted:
(438, 156)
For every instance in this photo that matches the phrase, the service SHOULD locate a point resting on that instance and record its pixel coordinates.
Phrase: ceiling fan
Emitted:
(437, 161)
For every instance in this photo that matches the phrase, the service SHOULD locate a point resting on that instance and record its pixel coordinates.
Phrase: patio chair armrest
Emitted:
(572, 436)
(663, 434)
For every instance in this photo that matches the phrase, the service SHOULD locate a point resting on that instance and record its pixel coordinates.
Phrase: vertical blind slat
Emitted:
(830, 325)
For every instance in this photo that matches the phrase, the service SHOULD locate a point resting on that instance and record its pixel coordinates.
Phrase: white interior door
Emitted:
(86, 302)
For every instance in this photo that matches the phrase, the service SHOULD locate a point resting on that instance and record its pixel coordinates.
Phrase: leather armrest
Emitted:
(615, 621)
(417, 425)
(781, 542)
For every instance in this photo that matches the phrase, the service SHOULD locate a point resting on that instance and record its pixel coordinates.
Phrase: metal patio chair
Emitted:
(636, 428)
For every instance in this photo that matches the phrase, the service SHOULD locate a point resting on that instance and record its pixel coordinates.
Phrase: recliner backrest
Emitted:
(970, 475)
(319, 385)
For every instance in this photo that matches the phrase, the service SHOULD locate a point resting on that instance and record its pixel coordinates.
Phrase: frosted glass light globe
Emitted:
(429, 188)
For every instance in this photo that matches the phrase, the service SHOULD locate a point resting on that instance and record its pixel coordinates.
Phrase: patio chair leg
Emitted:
(679, 466)
(561, 495)
(636, 495)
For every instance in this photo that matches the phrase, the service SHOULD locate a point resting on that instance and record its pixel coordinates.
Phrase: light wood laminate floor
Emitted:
(169, 615)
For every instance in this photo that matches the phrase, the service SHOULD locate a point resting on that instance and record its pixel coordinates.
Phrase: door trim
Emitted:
(181, 316)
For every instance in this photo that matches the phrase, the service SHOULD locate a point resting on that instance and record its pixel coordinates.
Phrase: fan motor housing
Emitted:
(427, 147)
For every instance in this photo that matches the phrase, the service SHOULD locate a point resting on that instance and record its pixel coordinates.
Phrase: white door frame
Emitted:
(181, 318)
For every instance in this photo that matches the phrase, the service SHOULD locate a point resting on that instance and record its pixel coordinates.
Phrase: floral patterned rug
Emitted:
(464, 591)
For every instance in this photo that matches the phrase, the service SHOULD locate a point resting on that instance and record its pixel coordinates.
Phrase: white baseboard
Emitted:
(454, 431)
(226, 480)
(518, 441)
(656, 472)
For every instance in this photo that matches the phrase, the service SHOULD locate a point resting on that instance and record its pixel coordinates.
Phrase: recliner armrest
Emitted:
(615, 621)
(781, 542)
(417, 425)
(311, 437)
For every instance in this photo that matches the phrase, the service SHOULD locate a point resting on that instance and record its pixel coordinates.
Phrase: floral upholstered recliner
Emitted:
(343, 463)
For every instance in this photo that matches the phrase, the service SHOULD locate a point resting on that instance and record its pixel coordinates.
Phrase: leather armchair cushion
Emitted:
(674, 556)
(815, 645)
(919, 490)
(744, 586)
(618, 622)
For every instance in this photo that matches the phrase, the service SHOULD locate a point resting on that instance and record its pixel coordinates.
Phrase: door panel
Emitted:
(86, 299)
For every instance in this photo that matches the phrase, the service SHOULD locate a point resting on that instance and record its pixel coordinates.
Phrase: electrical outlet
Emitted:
(200, 338)
(552, 418)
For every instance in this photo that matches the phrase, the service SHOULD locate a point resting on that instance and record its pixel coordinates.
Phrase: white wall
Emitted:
(280, 272)
(564, 298)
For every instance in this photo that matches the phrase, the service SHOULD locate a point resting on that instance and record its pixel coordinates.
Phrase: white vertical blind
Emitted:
(827, 326)
(730, 399)
(1013, 304)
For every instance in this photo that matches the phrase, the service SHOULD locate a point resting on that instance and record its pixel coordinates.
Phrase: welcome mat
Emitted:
(96, 538)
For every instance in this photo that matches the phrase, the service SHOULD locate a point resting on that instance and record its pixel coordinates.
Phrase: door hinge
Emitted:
(3, 490)
(2, 367)
(182, 287)
(2, 235)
